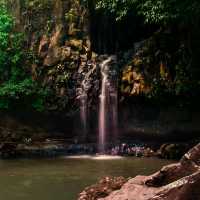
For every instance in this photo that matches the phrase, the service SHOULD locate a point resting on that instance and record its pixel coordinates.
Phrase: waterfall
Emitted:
(86, 73)
(83, 105)
(108, 103)
(83, 109)
(108, 99)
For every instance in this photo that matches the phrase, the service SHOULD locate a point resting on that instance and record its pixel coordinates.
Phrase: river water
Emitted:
(64, 178)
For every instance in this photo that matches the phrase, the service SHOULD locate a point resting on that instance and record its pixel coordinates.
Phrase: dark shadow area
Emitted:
(109, 36)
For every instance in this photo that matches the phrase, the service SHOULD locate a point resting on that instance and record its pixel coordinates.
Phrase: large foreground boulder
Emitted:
(180, 181)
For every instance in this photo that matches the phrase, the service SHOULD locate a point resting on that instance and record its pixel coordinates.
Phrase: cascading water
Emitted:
(86, 72)
(108, 114)
(83, 108)
(108, 103)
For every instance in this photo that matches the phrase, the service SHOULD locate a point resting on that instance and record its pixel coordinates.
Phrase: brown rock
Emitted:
(102, 189)
(66, 53)
(77, 44)
(43, 47)
(179, 181)
(148, 152)
(54, 56)
(172, 151)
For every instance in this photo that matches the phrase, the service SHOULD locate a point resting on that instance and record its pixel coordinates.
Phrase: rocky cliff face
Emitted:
(65, 39)
(57, 36)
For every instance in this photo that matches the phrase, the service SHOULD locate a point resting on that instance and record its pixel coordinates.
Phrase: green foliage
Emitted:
(154, 11)
(37, 4)
(16, 85)
(5, 28)
(117, 7)
(166, 11)
(181, 85)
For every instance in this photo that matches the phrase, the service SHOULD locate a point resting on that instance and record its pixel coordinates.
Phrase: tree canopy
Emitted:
(154, 11)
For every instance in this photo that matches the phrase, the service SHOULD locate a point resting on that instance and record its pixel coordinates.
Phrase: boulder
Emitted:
(180, 181)
(172, 151)
(8, 150)
(103, 188)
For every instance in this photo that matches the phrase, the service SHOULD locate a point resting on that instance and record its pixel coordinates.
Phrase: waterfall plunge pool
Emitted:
(65, 178)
